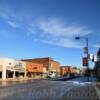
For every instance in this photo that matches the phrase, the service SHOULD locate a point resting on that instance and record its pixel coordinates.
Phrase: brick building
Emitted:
(48, 63)
(65, 70)
(34, 69)
(68, 70)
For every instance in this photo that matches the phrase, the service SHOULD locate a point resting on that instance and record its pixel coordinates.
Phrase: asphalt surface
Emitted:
(49, 90)
(84, 79)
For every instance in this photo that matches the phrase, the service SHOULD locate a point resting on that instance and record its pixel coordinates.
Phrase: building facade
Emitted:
(48, 64)
(34, 69)
(64, 70)
(11, 68)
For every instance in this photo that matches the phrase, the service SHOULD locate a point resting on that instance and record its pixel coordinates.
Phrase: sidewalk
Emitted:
(17, 79)
(11, 81)
(20, 79)
(97, 87)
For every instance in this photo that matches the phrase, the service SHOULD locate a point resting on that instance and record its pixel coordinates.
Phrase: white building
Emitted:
(11, 68)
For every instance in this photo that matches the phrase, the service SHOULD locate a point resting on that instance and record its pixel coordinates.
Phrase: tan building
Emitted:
(48, 63)
(65, 70)
(11, 68)
(69, 70)
(75, 70)
(34, 69)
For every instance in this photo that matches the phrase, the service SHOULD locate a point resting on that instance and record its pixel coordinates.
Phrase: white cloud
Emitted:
(56, 32)
(58, 28)
(32, 29)
(53, 31)
(13, 24)
(68, 43)
(8, 14)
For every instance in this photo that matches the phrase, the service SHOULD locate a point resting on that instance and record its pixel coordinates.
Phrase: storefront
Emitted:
(20, 69)
(34, 69)
(11, 68)
(48, 63)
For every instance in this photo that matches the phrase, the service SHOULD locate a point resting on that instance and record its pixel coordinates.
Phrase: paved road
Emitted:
(51, 90)
(84, 79)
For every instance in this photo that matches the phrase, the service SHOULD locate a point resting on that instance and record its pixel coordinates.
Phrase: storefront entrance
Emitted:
(9, 74)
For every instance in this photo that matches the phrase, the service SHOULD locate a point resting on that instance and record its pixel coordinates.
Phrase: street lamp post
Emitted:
(87, 52)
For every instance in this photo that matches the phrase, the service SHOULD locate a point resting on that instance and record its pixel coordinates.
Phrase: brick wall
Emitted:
(34, 67)
(47, 63)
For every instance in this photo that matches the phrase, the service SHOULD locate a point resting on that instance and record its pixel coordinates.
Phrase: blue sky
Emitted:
(42, 28)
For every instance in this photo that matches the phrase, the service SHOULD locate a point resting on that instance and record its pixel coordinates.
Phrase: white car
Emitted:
(52, 74)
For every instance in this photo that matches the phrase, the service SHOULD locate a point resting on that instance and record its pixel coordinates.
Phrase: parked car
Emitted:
(52, 74)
